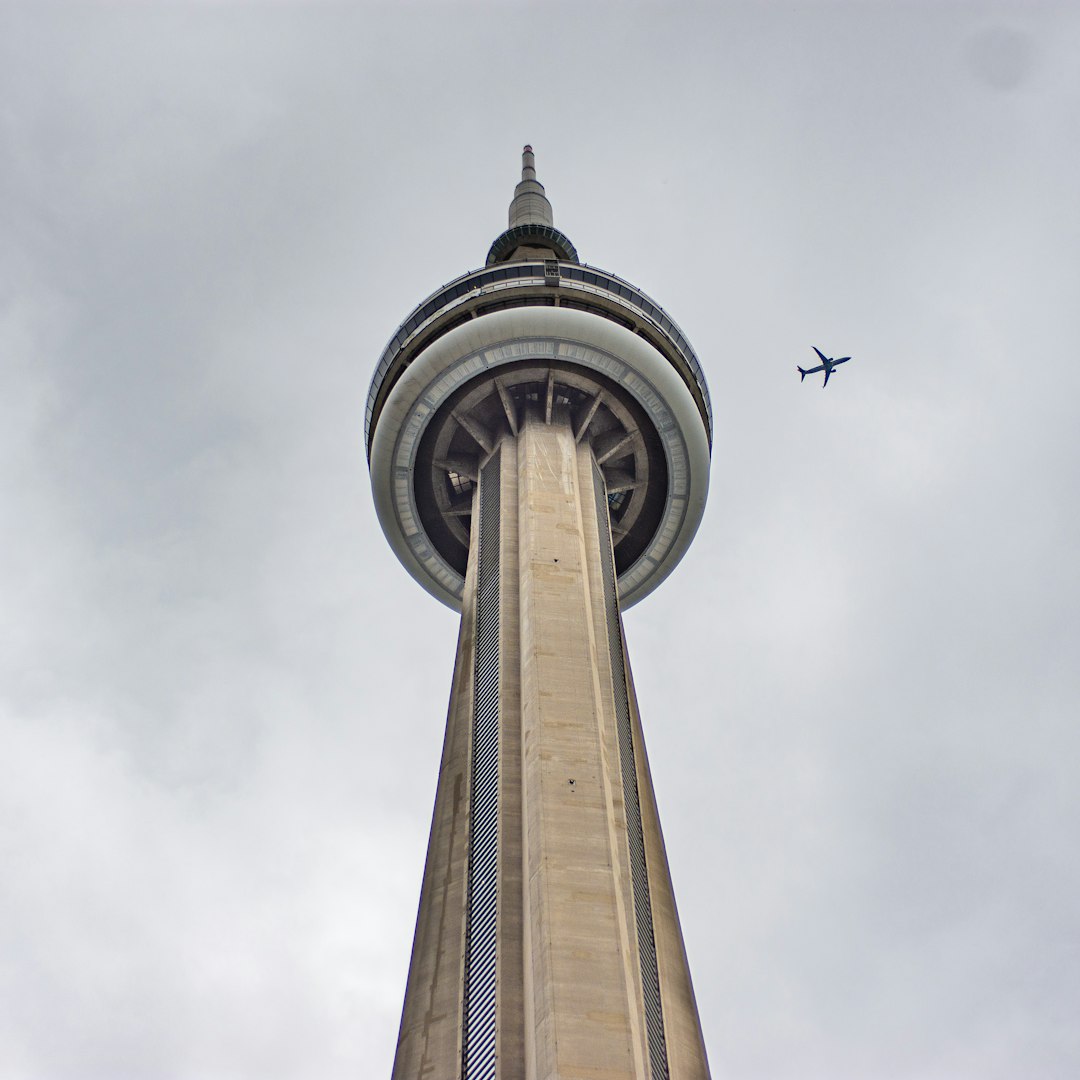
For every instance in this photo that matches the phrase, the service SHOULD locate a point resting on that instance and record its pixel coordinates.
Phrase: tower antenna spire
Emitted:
(531, 231)
(529, 205)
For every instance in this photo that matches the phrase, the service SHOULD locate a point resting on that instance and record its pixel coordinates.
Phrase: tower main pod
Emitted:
(538, 433)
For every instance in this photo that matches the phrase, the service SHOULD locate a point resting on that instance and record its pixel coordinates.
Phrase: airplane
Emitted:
(827, 365)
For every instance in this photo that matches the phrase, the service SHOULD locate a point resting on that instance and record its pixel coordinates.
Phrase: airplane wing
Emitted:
(824, 358)
(828, 372)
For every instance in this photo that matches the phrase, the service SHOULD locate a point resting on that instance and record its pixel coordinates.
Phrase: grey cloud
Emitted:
(222, 698)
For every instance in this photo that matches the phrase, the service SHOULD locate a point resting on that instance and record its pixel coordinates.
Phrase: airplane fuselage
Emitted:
(826, 367)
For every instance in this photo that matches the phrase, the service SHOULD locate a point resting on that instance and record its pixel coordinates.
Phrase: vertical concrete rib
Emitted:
(510, 1043)
(429, 1038)
(580, 977)
(685, 1042)
(639, 870)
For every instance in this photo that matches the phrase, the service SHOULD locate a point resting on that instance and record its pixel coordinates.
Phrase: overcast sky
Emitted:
(221, 698)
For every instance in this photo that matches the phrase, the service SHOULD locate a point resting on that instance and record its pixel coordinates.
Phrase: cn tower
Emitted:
(538, 433)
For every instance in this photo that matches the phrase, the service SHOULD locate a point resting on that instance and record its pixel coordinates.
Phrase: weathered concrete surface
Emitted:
(582, 1007)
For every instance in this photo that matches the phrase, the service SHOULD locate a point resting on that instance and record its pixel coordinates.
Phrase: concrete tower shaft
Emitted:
(547, 942)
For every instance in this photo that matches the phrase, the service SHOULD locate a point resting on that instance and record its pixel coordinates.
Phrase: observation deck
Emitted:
(547, 334)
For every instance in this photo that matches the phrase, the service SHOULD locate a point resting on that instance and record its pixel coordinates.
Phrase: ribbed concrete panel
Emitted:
(639, 870)
(583, 1012)
(510, 1002)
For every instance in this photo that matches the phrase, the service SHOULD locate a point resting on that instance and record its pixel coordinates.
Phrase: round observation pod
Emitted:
(537, 330)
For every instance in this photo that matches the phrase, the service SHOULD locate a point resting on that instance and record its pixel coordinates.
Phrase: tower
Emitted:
(538, 434)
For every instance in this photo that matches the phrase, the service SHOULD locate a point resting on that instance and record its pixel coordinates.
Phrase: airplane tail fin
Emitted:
(802, 374)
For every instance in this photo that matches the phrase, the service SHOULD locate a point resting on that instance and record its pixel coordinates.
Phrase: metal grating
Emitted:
(478, 1049)
(639, 873)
